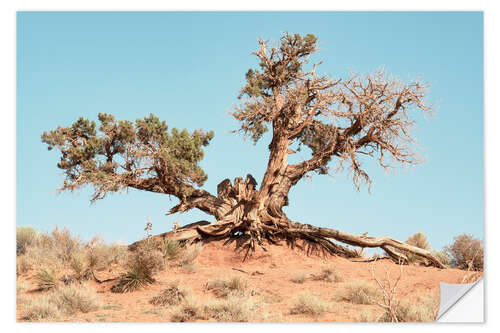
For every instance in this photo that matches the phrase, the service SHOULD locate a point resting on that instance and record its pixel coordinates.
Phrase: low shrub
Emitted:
(190, 252)
(223, 288)
(358, 292)
(231, 309)
(72, 299)
(299, 277)
(443, 257)
(25, 237)
(41, 308)
(170, 296)
(307, 303)
(419, 240)
(189, 310)
(328, 274)
(63, 300)
(466, 252)
(23, 264)
(425, 309)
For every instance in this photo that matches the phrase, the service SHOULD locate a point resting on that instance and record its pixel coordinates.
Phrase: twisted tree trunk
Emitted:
(257, 215)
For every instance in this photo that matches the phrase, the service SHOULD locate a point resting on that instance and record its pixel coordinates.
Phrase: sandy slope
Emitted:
(269, 285)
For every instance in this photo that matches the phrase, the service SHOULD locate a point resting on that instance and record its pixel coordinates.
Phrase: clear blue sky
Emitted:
(187, 68)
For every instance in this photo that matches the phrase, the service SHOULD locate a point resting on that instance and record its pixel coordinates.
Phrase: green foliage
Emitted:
(294, 50)
(25, 237)
(283, 65)
(117, 155)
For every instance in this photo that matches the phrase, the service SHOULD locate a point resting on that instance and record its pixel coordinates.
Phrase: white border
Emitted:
(8, 56)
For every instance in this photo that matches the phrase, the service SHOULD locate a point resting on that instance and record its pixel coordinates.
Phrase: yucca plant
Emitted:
(45, 279)
(171, 249)
(134, 279)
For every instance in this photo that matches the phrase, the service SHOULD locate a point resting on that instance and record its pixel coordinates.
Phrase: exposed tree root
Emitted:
(313, 239)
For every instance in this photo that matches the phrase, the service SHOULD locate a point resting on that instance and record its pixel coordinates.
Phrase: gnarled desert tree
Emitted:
(337, 120)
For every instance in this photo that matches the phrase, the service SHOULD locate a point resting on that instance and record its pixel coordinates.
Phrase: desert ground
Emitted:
(282, 284)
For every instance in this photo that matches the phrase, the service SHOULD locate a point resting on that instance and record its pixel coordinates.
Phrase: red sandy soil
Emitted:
(274, 270)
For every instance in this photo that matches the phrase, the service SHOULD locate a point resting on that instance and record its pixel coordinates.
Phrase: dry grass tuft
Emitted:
(23, 264)
(328, 274)
(170, 296)
(64, 300)
(299, 277)
(224, 288)
(231, 309)
(41, 308)
(357, 292)
(425, 309)
(170, 249)
(307, 303)
(190, 252)
(72, 299)
(188, 311)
